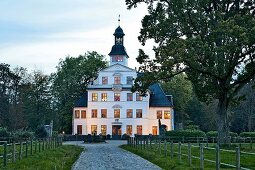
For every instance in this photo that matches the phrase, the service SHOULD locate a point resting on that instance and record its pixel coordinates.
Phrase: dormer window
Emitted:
(130, 80)
(104, 80)
(117, 80)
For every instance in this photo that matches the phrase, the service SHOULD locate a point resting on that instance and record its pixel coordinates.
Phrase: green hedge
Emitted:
(215, 133)
(185, 133)
(4, 132)
(247, 134)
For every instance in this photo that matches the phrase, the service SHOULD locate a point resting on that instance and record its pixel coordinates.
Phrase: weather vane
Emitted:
(119, 20)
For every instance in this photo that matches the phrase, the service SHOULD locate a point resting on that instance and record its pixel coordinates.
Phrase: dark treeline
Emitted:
(29, 100)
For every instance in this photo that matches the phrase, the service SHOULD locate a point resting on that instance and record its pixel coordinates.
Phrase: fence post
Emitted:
(39, 145)
(217, 157)
(26, 148)
(165, 149)
(5, 153)
(172, 149)
(13, 151)
(31, 151)
(238, 158)
(35, 145)
(251, 143)
(189, 154)
(20, 150)
(179, 152)
(201, 156)
(197, 140)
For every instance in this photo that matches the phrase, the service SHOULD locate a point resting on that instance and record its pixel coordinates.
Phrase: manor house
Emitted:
(109, 106)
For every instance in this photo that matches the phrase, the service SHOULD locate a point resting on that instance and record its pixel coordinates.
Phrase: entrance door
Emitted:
(116, 131)
(79, 129)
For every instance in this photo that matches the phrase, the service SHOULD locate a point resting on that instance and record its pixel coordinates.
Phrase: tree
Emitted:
(70, 82)
(211, 41)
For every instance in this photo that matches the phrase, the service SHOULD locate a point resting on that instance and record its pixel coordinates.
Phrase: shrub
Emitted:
(247, 134)
(40, 132)
(185, 133)
(215, 133)
(125, 136)
(21, 134)
(4, 132)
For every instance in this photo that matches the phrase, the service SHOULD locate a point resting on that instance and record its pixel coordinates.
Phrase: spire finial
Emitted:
(119, 20)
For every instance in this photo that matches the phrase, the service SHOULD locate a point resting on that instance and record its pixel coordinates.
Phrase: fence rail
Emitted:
(11, 152)
(177, 149)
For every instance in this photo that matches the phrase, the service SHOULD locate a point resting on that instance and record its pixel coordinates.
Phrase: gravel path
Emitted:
(109, 156)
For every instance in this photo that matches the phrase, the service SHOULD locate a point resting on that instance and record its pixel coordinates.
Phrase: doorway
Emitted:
(116, 132)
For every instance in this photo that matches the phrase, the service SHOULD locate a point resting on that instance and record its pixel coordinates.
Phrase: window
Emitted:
(130, 80)
(94, 97)
(139, 97)
(77, 114)
(116, 96)
(139, 113)
(129, 129)
(104, 97)
(103, 113)
(129, 113)
(139, 130)
(79, 129)
(117, 80)
(94, 113)
(116, 113)
(154, 130)
(103, 129)
(104, 80)
(159, 114)
(129, 96)
(167, 114)
(93, 129)
(117, 58)
(83, 114)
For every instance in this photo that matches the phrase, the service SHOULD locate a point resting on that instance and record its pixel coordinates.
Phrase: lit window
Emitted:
(77, 114)
(129, 96)
(130, 80)
(83, 114)
(159, 114)
(116, 113)
(117, 80)
(103, 113)
(139, 97)
(116, 96)
(94, 97)
(139, 130)
(94, 113)
(104, 96)
(104, 80)
(93, 129)
(154, 130)
(139, 113)
(129, 113)
(103, 129)
(129, 129)
(167, 114)
(117, 58)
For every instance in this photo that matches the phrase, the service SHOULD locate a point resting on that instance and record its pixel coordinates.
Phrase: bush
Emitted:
(215, 134)
(125, 136)
(40, 132)
(4, 132)
(185, 133)
(20, 134)
(247, 134)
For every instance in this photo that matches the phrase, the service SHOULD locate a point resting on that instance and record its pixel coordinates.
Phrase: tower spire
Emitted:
(119, 20)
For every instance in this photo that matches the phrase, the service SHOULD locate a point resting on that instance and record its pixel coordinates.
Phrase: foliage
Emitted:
(62, 157)
(185, 133)
(70, 82)
(41, 132)
(247, 134)
(4, 132)
(22, 134)
(211, 41)
(215, 134)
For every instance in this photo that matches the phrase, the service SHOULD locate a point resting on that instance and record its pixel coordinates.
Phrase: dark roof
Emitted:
(118, 32)
(118, 50)
(82, 101)
(158, 97)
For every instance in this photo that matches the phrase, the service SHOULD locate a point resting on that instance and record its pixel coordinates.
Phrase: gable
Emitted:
(118, 68)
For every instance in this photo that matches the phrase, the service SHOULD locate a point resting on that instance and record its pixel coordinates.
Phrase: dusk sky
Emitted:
(35, 34)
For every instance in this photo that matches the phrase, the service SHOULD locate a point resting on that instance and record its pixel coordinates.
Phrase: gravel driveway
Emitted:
(109, 156)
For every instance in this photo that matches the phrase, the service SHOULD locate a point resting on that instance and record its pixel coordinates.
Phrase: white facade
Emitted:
(111, 108)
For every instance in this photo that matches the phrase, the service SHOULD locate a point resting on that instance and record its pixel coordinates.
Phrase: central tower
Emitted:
(118, 53)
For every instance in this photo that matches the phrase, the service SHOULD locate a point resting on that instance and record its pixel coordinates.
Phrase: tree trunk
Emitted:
(222, 121)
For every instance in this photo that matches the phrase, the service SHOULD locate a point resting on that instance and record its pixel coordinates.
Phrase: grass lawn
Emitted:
(62, 158)
(154, 156)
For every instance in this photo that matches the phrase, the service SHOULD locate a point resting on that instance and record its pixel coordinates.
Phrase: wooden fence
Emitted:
(11, 152)
(166, 147)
